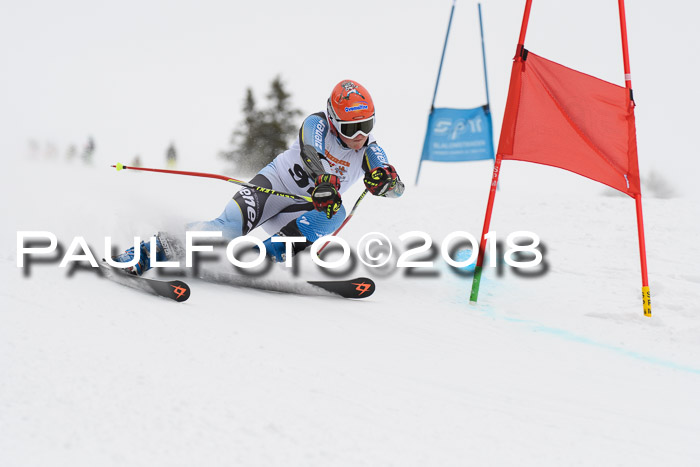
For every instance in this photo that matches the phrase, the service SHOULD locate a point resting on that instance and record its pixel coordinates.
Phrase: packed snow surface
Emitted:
(558, 369)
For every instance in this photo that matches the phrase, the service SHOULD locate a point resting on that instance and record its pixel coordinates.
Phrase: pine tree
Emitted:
(265, 133)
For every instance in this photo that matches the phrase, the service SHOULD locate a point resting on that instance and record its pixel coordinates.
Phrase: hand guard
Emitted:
(325, 195)
(381, 180)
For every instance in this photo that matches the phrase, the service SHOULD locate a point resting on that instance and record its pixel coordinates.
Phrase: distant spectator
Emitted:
(89, 151)
(171, 156)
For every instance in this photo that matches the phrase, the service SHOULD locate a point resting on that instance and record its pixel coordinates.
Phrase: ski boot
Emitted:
(163, 253)
(276, 251)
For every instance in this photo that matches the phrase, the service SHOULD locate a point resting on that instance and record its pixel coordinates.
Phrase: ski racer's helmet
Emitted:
(350, 109)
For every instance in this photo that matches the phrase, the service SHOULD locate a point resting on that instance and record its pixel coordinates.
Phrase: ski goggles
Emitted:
(352, 129)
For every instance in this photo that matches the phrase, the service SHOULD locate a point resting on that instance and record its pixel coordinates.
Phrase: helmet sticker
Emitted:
(358, 106)
(348, 85)
(350, 88)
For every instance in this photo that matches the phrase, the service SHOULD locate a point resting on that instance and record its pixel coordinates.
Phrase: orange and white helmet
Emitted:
(351, 109)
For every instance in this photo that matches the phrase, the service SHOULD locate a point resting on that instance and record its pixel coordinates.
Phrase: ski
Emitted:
(174, 290)
(361, 287)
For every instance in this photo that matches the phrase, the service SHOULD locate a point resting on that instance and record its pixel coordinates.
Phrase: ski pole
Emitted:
(269, 191)
(345, 221)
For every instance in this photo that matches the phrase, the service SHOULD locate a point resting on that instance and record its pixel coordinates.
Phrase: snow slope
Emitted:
(562, 369)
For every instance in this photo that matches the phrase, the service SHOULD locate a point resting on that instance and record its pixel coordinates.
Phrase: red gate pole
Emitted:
(476, 281)
(496, 172)
(646, 294)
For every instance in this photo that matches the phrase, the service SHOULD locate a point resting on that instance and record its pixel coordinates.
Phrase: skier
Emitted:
(335, 148)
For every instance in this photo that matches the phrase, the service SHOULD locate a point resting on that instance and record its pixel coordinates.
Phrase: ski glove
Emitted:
(325, 195)
(381, 180)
